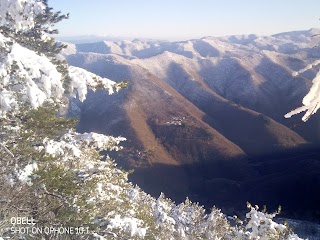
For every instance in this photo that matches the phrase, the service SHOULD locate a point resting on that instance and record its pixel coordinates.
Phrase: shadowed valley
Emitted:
(204, 118)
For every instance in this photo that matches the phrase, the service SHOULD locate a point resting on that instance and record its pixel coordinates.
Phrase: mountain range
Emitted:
(204, 117)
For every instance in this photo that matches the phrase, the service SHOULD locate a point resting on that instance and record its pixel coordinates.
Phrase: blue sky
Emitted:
(182, 19)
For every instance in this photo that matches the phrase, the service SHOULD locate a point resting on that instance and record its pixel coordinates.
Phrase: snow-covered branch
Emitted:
(28, 78)
(82, 79)
(73, 143)
(311, 102)
(20, 14)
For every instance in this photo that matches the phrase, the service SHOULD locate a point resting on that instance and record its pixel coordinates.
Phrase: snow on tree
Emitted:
(58, 176)
(20, 14)
(311, 102)
(31, 79)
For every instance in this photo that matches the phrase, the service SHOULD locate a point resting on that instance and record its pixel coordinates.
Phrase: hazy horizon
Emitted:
(180, 20)
(93, 37)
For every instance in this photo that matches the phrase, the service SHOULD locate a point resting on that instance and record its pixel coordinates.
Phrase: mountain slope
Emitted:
(198, 113)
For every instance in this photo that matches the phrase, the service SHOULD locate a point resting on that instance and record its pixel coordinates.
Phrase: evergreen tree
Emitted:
(37, 37)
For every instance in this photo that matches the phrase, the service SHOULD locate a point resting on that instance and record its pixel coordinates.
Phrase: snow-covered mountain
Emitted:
(210, 105)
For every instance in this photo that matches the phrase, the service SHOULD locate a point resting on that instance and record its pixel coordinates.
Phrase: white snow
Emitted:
(41, 80)
(27, 77)
(261, 225)
(128, 224)
(61, 147)
(82, 79)
(25, 174)
(95, 140)
(161, 212)
(72, 143)
(7, 101)
(22, 12)
(311, 102)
